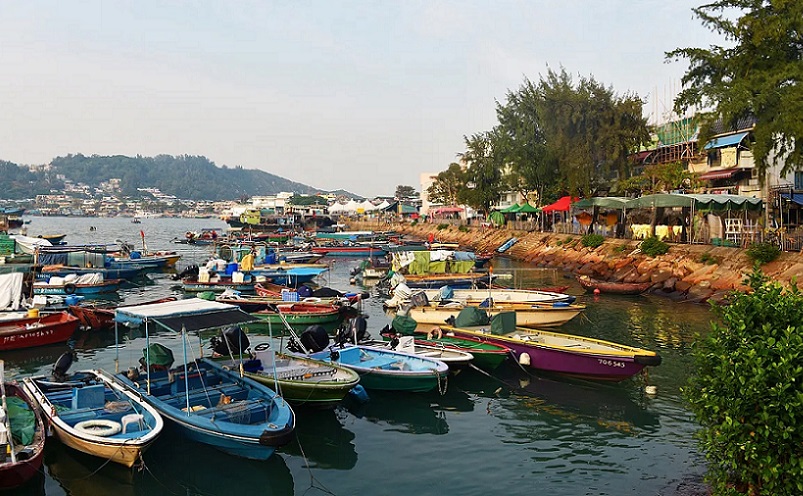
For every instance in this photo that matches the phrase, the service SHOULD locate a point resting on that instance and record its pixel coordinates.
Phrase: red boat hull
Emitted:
(39, 331)
(102, 318)
(16, 474)
(626, 288)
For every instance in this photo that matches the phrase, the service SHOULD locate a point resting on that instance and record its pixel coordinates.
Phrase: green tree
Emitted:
(484, 158)
(760, 75)
(447, 185)
(529, 165)
(403, 192)
(660, 178)
(590, 130)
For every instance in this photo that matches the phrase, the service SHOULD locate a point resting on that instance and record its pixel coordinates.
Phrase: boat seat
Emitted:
(89, 397)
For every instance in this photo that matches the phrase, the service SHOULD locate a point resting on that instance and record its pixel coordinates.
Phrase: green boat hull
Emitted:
(487, 356)
(299, 323)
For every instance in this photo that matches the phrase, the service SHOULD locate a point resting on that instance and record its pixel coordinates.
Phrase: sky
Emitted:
(354, 95)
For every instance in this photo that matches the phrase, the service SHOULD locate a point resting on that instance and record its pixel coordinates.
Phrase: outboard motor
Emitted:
(191, 270)
(314, 339)
(61, 366)
(233, 341)
(358, 327)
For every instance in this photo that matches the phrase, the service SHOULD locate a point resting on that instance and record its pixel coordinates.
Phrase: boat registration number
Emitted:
(611, 363)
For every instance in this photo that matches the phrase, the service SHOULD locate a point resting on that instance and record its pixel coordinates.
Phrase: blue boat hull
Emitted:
(254, 431)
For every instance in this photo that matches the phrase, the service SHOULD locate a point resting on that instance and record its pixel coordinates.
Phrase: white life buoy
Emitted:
(311, 299)
(99, 427)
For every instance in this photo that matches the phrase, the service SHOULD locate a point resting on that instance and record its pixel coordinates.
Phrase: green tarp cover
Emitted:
(503, 323)
(461, 267)
(23, 420)
(404, 325)
(420, 263)
(438, 267)
(511, 209)
(497, 217)
(471, 317)
(159, 355)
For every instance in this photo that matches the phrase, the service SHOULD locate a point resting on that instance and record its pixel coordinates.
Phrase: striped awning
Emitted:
(719, 174)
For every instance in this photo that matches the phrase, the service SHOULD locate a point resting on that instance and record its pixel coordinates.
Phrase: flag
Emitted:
(142, 233)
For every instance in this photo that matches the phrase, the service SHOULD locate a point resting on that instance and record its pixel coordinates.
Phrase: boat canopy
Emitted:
(193, 314)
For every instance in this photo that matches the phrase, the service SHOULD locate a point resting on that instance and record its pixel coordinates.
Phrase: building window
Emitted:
(798, 179)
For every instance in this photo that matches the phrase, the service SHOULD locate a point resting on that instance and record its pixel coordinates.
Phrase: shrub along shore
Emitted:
(696, 273)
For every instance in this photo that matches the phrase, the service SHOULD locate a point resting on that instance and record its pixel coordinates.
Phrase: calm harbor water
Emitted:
(512, 433)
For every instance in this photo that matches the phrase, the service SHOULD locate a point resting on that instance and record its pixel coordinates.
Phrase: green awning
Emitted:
(511, 209)
(528, 209)
(603, 201)
(709, 202)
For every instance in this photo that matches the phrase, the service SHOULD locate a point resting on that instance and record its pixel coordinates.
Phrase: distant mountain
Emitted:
(184, 176)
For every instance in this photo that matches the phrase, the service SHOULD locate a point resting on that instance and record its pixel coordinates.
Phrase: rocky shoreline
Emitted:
(696, 273)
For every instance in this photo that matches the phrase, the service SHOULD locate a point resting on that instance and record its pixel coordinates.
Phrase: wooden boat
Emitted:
(547, 289)
(627, 288)
(301, 315)
(149, 260)
(452, 357)
(290, 276)
(26, 452)
(99, 318)
(527, 315)
(129, 273)
(89, 412)
(28, 332)
(276, 291)
(568, 354)
(105, 286)
(301, 381)
(477, 296)
(208, 403)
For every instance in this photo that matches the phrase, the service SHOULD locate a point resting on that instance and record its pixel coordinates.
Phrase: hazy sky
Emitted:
(361, 95)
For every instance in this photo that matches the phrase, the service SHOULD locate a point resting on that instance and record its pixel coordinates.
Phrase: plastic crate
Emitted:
(290, 296)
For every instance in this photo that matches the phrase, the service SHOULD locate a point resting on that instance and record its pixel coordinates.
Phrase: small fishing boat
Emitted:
(209, 403)
(379, 368)
(24, 435)
(40, 330)
(54, 239)
(217, 284)
(82, 285)
(101, 317)
(487, 356)
(563, 353)
(527, 315)
(349, 251)
(131, 272)
(280, 292)
(625, 288)
(156, 260)
(403, 293)
(454, 358)
(301, 315)
(290, 276)
(89, 412)
(300, 380)
(432, 281)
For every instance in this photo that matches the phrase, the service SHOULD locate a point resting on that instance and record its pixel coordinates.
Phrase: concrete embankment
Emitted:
(686, 272)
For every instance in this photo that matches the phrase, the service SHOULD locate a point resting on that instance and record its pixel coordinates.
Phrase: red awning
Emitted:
(719, 174)
(447, 210)
(561, 205)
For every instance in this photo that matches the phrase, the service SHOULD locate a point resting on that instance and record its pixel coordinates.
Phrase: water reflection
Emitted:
(323, 440)
(79, 473)
(408, 413)
(610, 406)
(176, 465)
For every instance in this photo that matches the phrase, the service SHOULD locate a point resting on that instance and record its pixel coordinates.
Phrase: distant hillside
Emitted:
(184, 176)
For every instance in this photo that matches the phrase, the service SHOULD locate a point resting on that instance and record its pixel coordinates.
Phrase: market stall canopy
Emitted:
(603, 201)
(710, 202)
(528, 209)
(561, 205)
(511, 209)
